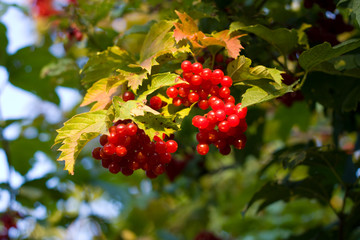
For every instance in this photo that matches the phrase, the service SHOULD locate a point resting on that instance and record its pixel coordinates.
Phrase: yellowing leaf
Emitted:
(186, 28)
(77, 132)
(99, 93)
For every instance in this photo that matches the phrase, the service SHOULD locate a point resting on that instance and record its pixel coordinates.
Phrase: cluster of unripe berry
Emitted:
(127, 148)
(225, 123)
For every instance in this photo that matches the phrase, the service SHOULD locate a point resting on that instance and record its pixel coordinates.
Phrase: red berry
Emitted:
(150, 174)
(200, 122)
(224, 126)
(211, 116)
(171, 146)
(186, 66)
(206, 74)
(113, 137)
(103, 139)
(106, 162)
(121, 151)
(177, 101)
(159, 169)
(202, 148)
(193, 97)
(109, 149)
(217, 76)
(128, 96)
(220, 114)
(224, 92)
(225, 150)
(202, 137)
(165, 158)
(214, 90)
(226, 81)
(197, 68)
(127, 171)
(121, 129)
(172, 92)
(131, 129)
(203, 104)
(160, 147)
(96, 153)
(230, 99)
(155, 102)
(217, 104)
(184, 91)
(229, 108)
(239, 142)
(196, 80)
(114, 167)
(241, 112)
(233, 120)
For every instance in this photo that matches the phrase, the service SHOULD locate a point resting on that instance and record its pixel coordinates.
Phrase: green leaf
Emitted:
(64, 72)
(24, 72)
(135, 78)
(105, 64)
(158, 81)
(262, 91)
(102, 96)
(3, 44)
(240, 70)
(159, 41)
(151, 121)
(352, 100)
(283, 39)
(354, 7)
(77, 132)
(346, 65)
(324, 52)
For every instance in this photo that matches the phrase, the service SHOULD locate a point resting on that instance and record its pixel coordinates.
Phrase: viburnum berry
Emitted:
(193, 97)
(196, 68)
(127, 96)
(171, 146)
(186, 66)
(155, 102)
(202, 148)
(172, 92)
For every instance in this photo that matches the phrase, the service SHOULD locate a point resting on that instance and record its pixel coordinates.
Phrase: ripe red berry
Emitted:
(171, 146)
(155, 102)
(229, 108)
(211, 116)
(109, 149)
(203, 104)
(217, 76)
(230, 99)
(226, 81)
(127, 171)
(193, 97)
(224, 126)
(114, 167)
(200, 122)
(186, 66)
(121, 151)
(172, 92)
(177, 101)
(224, 92)
(159, 169)
(128, 96)
(103, 139)
(121, 129)
(217, 104)
(220, 114)
(160, 147)
(196, 68)
(239, 142)
(206, 74)
(131, 129)
(187, 76)
(241, 112)
(225, 150)
(184, 91)
(202, 137)
(202, 148)
(96, 153)
(196, 80)
(233, 120)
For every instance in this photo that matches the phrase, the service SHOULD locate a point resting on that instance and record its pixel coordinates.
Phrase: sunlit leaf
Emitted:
(77, 132)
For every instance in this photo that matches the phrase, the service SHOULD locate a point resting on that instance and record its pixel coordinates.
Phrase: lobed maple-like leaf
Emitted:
(188, 29)
(77, 132)
(151, 121)
(101, 95)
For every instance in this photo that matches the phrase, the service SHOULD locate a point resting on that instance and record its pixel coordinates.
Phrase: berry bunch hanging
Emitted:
(225, 123)
(127, 148)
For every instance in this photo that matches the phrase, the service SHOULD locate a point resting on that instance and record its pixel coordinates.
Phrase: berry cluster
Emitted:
(127, 148)
(225, 123)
